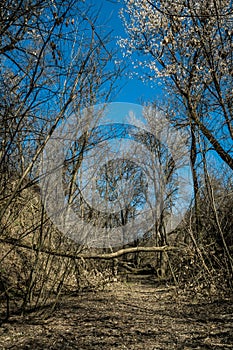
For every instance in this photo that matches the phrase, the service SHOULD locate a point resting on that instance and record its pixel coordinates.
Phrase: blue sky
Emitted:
(133, 90)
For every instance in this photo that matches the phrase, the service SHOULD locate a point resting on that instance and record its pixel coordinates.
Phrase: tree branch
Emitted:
(107, 256)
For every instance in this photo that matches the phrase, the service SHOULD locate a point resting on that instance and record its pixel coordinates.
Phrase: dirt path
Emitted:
(125, 317)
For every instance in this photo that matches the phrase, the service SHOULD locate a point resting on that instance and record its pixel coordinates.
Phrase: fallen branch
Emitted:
(133, 250)
(106, 256)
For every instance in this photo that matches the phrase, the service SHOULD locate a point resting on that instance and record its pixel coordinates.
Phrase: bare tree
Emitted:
(54, 62)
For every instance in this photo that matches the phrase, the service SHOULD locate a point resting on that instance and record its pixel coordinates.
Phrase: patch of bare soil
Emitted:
(134, 316)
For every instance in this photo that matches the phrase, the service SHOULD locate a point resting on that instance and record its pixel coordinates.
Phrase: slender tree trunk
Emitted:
(193, 158)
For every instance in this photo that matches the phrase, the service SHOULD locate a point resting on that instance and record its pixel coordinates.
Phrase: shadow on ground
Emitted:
(135, 316)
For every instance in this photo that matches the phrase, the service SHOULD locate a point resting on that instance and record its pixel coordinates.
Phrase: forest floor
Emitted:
(125, 316)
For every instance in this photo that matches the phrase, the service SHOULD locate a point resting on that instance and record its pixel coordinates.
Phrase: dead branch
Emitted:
(106, 256)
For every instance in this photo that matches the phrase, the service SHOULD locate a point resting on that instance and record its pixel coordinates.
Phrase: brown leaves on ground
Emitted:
(132, 316)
